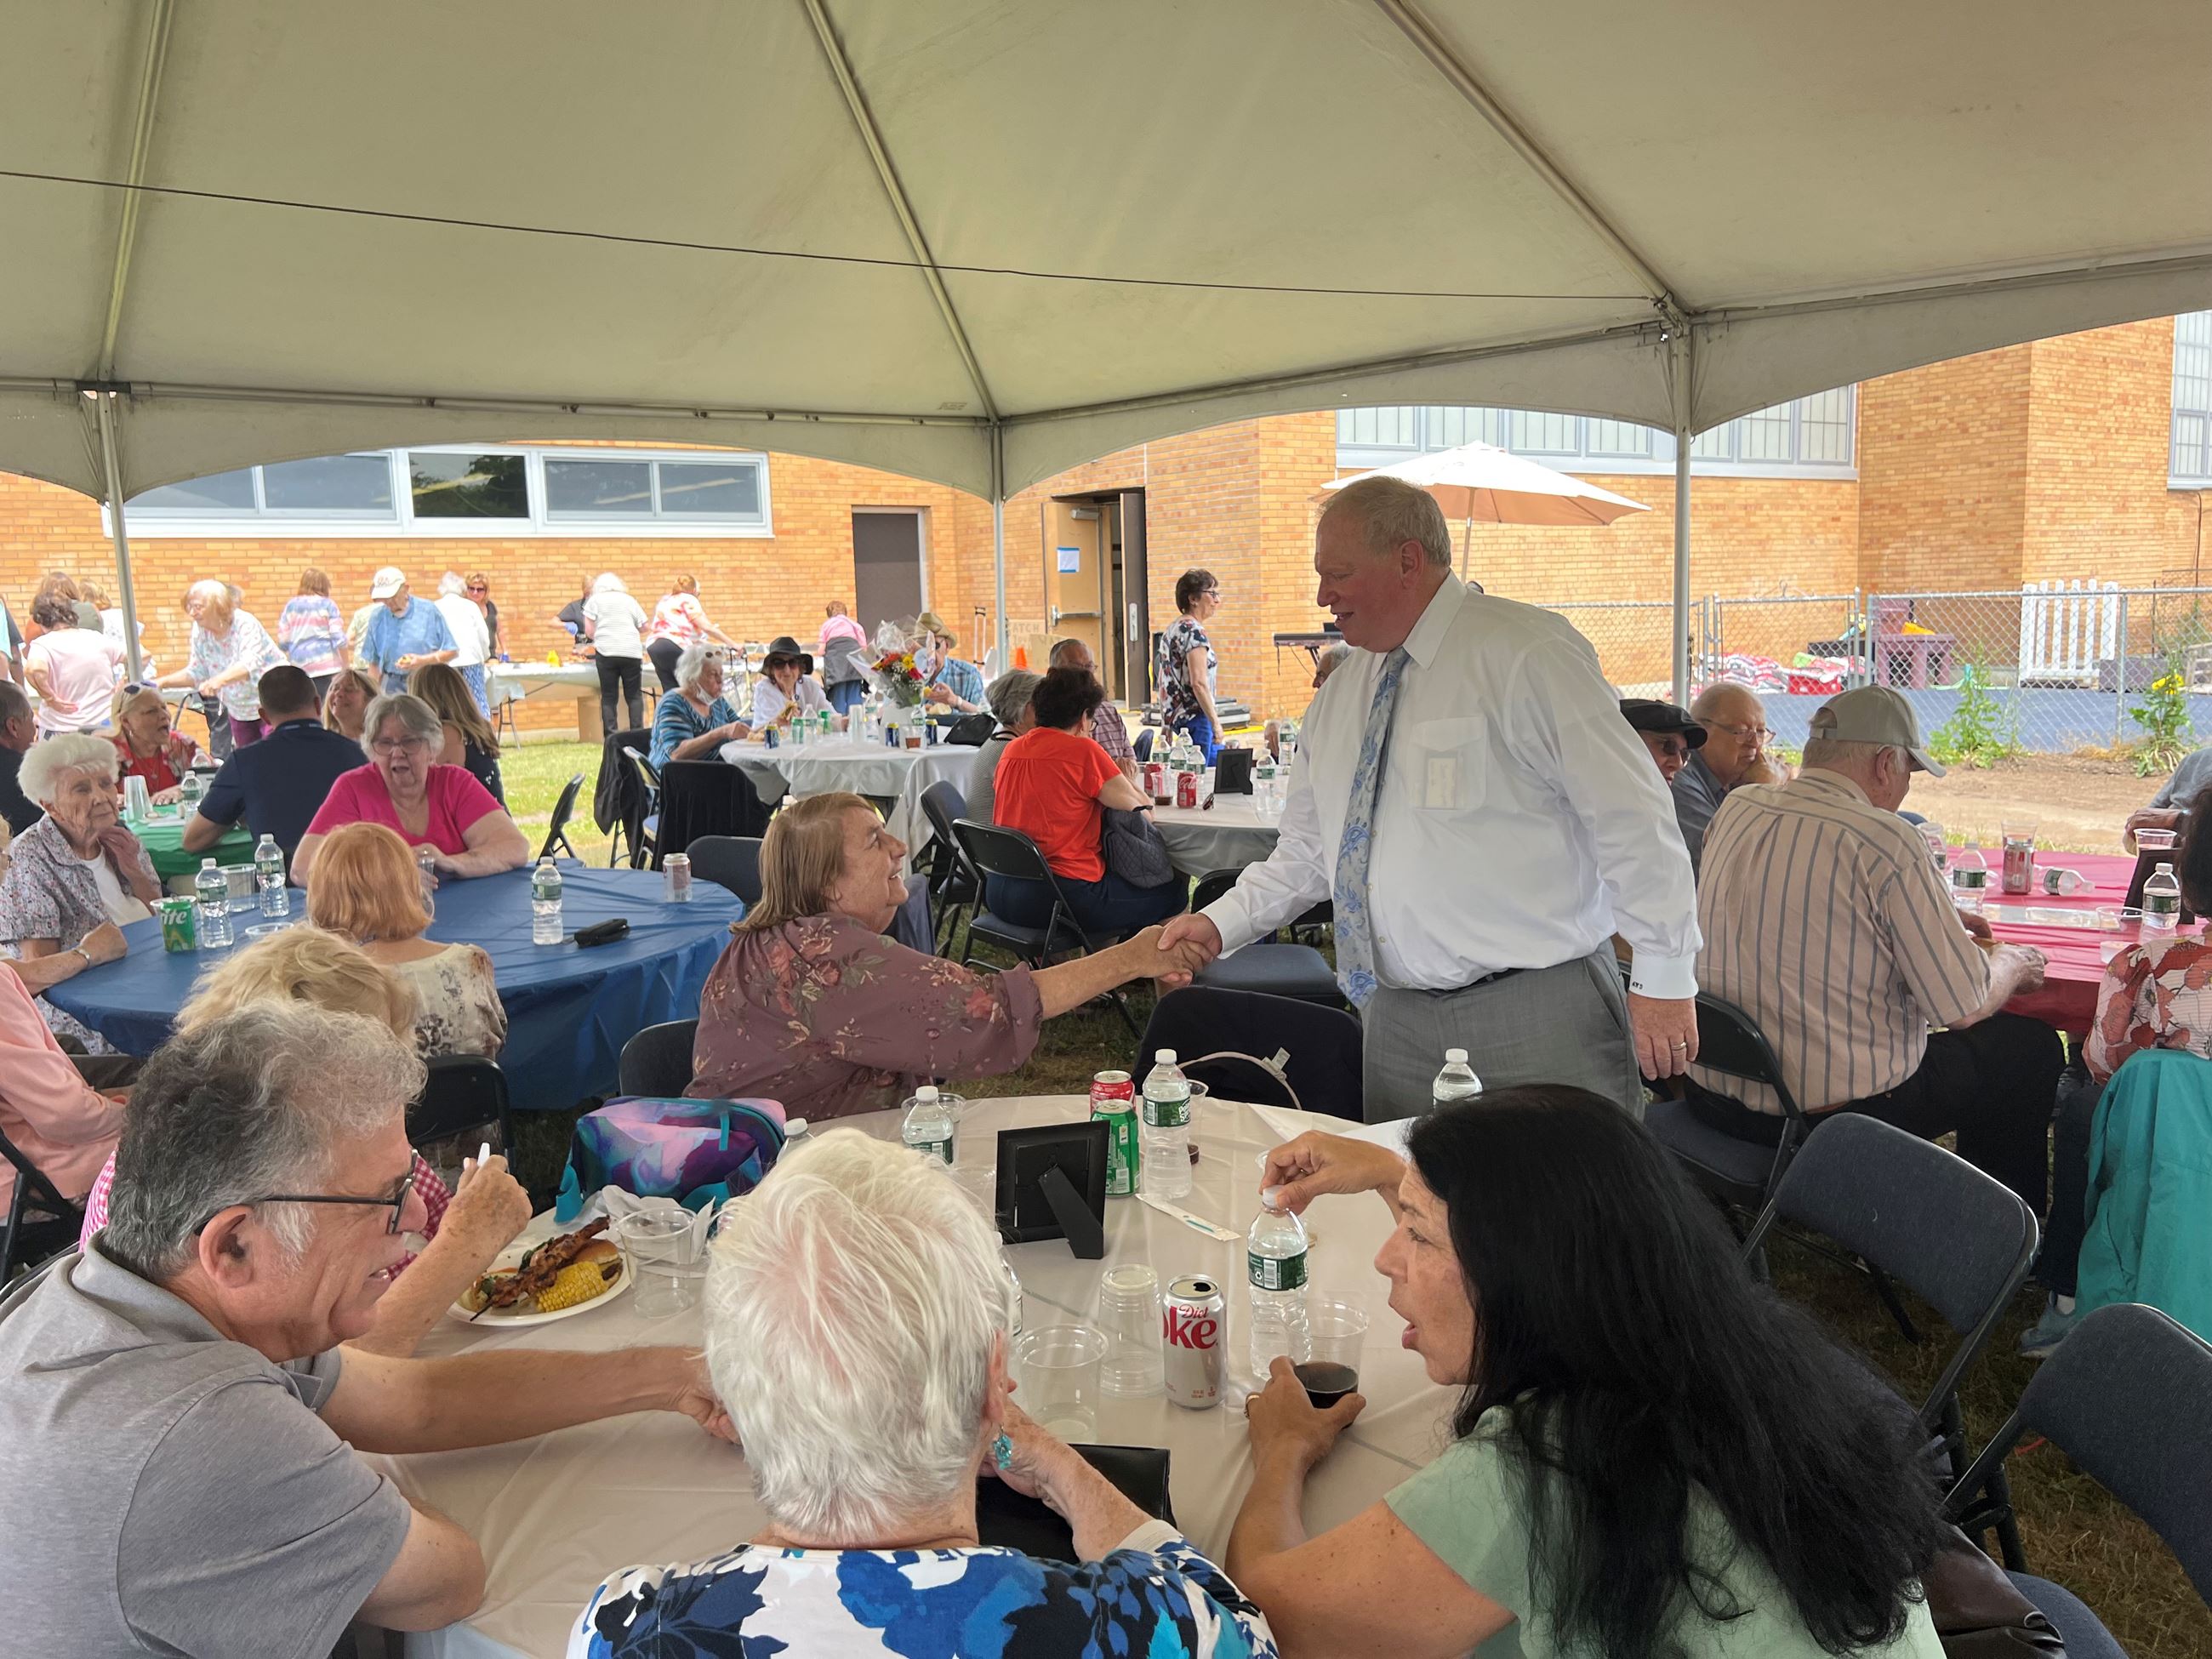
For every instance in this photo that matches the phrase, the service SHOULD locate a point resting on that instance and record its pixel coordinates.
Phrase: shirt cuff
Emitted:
(1228, 916)
(1670, 977)
(1148, 1539)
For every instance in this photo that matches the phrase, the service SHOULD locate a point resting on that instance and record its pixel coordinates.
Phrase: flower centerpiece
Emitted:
(897, 668)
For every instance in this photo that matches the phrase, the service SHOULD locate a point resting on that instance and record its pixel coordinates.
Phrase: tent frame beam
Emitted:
(126, 234)
(864, 122)
(1432, 47)
(110, 470)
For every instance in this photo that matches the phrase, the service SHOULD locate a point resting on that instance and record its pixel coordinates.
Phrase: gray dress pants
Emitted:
(1565, 1023)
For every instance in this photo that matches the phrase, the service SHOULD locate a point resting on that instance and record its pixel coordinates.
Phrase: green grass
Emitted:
(2073, 1531)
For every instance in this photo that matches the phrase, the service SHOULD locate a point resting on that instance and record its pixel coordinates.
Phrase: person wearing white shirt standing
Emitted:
(1468, 793)
(471, 636)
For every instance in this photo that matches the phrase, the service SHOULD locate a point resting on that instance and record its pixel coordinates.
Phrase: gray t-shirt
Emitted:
(166, 1490)
(1698, 795)
(2188, 780)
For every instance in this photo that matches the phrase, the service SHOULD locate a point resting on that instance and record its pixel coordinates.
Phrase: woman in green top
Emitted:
(1655, 1458)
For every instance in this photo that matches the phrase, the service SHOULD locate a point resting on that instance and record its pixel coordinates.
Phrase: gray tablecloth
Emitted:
(555, 1515)
(899, 776)
(1227, 835)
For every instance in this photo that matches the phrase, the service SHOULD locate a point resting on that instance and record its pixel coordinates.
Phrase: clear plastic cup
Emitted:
(2156, 841)
(667, 1251)
(1129, 1317)
(1336, 1332)
(1059, 1369)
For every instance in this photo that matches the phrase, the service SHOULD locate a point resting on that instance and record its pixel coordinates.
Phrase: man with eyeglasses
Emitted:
(181, 1429)
(1735, 722)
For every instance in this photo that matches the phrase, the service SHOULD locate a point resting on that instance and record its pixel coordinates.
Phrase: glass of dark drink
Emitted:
(1335, 1333)
(1326, 1382)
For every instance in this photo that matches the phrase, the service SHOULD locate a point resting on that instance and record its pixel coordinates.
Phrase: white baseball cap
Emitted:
(386, 582)
(1875, 713)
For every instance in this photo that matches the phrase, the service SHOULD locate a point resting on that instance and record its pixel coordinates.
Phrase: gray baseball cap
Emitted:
(1874, 713)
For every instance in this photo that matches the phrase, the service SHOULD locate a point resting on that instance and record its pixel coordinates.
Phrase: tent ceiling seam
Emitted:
(141, 144)
(864, 121)
(1432, 47)
(2110, 267)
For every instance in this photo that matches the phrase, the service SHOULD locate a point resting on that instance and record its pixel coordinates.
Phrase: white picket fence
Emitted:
(2066, 629)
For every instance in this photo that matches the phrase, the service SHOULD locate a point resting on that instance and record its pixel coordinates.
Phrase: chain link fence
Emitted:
(2055, 668)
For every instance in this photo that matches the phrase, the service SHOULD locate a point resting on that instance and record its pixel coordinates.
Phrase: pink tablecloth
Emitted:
(2068, 1000)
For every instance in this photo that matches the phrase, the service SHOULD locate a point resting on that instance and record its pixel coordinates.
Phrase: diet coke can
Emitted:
(1113, 1097)
(1194, 1316)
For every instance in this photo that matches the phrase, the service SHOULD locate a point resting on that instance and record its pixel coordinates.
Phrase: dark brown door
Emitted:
(886, 568)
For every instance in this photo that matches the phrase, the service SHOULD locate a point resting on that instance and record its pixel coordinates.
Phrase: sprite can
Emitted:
(1114, 1098)
(179, 925)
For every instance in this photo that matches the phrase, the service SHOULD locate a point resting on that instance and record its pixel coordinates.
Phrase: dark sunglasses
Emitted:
(396, 1202)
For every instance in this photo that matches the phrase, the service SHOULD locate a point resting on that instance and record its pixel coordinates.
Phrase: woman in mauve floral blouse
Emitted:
(812, 1007)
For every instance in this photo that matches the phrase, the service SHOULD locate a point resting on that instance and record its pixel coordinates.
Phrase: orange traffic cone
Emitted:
(1021, 656)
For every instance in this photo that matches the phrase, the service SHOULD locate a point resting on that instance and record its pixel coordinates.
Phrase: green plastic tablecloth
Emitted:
(163, 840)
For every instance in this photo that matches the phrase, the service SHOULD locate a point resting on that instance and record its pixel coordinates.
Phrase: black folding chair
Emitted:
(1741, 1174)
(1911, 1210)
(557, 834)
(1270, 968)
(40, 1220)
(463, 1094)
(731, 861)
(1269, 1051)
(2127, 1398)
(954, 886)
(657, 1061)
(646, 845)
(993, 850)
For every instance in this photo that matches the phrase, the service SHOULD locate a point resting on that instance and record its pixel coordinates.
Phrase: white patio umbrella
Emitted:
(1482, 482)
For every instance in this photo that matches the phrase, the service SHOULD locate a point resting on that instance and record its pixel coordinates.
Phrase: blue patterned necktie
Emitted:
(1355, 938)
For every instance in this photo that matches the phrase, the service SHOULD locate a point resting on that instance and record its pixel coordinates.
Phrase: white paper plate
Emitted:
(501, 1319)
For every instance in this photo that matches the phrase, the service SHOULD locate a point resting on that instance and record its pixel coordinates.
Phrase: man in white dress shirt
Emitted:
(1468, 793)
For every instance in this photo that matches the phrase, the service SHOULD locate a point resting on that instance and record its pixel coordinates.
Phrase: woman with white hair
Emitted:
(614, 623)
(1009, 697)
(437, 809)
(855, 1331)
(696, 719)
(230, 649)
(146, 746)
(77, 867)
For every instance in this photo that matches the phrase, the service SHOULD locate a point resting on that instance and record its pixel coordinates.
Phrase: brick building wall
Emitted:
(2035, 461)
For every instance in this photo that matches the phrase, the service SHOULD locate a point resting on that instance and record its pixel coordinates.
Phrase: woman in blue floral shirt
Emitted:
(856, 1329)
(1184, 671)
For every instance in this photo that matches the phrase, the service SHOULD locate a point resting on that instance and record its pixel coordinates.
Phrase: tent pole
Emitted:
(1005, 658)
(1683, 437)
(112, 483)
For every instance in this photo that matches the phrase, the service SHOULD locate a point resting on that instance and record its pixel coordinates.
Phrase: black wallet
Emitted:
(602, 933)
(1006, 1520)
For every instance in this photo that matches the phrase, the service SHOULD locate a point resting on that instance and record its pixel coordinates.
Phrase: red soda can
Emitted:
(1113, 1097)
(1186, 788)
(1195, 1320)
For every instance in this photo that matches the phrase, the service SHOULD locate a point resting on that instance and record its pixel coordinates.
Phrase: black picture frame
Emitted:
(1026, 1209)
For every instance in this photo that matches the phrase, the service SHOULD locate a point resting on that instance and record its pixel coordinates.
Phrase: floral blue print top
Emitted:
(1154, 1598)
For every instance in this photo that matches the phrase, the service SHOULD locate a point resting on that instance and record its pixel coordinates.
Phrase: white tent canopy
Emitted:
(981, 240)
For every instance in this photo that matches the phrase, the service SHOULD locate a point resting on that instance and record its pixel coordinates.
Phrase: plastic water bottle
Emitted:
(545, 903)
(1163, 1132)
(211, 888)
(1275, 1263)
(2162, 905)
(268, 878)
(426, 879)
(1970, 880)
(930, 1126)
(1457, 1081)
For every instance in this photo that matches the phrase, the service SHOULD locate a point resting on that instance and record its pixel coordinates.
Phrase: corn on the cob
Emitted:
(580, 1281)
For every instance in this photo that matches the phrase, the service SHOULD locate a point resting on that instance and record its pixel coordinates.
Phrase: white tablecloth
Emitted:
(842, 761)
(1227, 835)
(522, 681)
(555, 1515)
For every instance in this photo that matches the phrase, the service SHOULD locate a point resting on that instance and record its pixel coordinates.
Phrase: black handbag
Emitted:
(972, 730)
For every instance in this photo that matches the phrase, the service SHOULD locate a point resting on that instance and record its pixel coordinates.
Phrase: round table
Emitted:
(568, 1010)
(2074, 947)
(163, 838)
(555, 1515)
(843, 761)
(1227, 835)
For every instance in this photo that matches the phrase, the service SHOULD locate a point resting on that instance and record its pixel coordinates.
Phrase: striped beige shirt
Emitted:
(1826, 921)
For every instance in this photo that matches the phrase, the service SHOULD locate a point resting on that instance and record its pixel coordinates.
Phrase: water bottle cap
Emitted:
(1455, 1057)
(207, 863)
(927, 1092)
(1161, 1057)
(2162, 870)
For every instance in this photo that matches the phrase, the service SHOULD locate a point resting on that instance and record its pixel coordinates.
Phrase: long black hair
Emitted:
(1637, 1359)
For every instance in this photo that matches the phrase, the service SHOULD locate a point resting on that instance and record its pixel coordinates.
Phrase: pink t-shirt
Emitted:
(83, 668)
(456, 800)
(63, 1127)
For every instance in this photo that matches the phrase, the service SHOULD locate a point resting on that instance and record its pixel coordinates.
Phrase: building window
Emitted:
(2191, 462)
(464, 489)
(1811, 437)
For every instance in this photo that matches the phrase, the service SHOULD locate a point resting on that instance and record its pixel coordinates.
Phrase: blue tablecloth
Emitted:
(569, 1012)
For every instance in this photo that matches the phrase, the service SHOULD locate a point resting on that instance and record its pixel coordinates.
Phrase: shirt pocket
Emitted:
(1447, 764)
